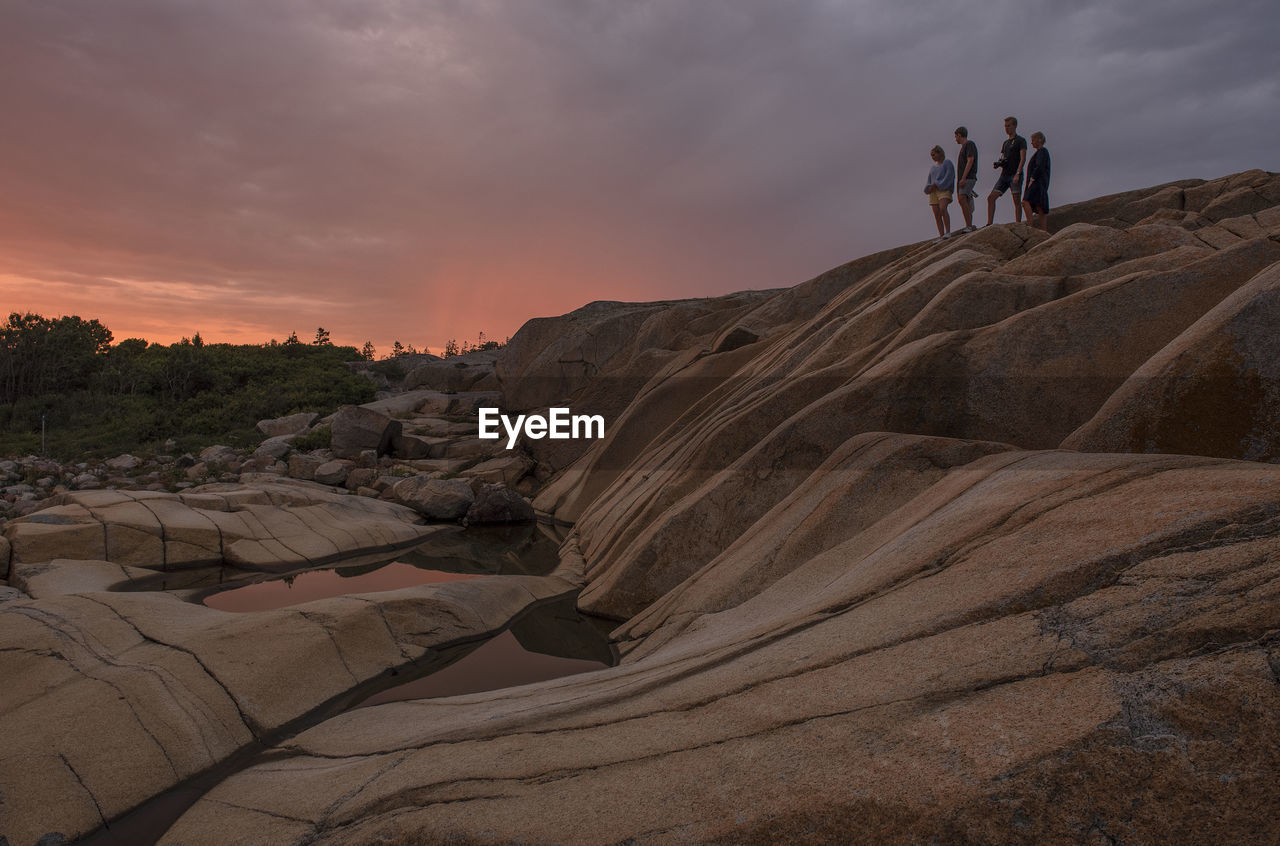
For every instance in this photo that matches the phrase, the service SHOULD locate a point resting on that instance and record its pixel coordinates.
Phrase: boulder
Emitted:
(274, 448)
(219, 453)
(357, 429)
(413, 447)
(304, 465)
(503, 470)
(456, 373)
(123, 463)
(406, 402)
(435, 499)
(360, 477)
(334, 472)
(498, 504)
(294, 424)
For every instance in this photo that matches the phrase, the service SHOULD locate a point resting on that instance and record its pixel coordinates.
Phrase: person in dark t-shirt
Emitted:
(1012, 161)
(966, 176)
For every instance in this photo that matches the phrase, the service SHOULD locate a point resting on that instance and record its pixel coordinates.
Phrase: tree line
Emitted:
(98, 397)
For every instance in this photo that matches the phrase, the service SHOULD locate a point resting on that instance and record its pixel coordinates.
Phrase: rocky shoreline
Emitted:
(970, 542)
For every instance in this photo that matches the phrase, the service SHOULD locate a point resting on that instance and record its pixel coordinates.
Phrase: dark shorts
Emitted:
(1038, 199)
(1005, 182)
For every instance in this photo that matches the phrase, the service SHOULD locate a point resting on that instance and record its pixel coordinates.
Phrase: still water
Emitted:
(545, 642)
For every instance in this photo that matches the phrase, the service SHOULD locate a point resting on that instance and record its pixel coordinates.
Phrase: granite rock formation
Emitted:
(970, 542)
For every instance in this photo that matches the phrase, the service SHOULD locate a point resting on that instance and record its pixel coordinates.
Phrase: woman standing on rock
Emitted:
(942, 179)
(1036, 198)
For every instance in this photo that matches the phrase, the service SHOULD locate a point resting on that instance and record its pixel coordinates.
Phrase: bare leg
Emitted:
(1044, 221)
(966, 209)
(991, 207)
(937, 218)
(1017, 206)
(1027, 208)
(944, 214)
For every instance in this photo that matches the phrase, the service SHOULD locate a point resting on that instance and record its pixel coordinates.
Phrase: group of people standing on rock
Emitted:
(961, 178)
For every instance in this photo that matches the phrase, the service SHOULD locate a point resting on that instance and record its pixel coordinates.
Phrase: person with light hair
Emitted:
(942, 179)
(1036, 198)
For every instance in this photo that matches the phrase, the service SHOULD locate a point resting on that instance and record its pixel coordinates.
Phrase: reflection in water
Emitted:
(446, 556)
(549, 641)
(498, 663)
(322, 584)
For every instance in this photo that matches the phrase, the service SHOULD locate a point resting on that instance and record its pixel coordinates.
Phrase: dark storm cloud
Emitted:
(394, 169)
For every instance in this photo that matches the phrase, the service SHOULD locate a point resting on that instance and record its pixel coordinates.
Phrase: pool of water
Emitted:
(547, 642)
(450, 554)
(322, 584)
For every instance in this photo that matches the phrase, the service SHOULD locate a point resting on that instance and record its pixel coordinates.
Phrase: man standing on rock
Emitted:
(966, 176)
(1013, 158)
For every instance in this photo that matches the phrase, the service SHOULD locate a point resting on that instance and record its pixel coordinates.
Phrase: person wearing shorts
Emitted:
(942, 179)
(966, 177)
(1012, 161)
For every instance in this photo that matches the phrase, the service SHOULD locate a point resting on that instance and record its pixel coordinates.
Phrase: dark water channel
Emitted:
(548, 640)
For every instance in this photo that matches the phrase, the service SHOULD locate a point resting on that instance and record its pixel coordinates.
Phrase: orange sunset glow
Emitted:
(426, 172)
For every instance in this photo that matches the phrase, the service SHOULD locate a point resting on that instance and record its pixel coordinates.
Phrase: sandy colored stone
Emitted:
(435, 499)
(293, 424)
(303, 466)
(859, 595)
(112, 698)
(504, 470)
(970, 648)
(333, 472)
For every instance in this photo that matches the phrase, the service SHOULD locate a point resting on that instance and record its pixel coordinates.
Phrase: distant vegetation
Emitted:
(99, 399)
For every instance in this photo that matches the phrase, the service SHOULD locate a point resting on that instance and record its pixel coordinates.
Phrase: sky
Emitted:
(419, 171)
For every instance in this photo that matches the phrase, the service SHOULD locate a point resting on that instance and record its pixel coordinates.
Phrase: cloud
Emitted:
(424, 170)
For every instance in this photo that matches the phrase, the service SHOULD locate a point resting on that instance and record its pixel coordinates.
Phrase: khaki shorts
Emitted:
(936, 195)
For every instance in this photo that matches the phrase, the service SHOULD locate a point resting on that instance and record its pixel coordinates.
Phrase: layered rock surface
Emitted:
(114, 697)
(976, 542)
(1032, 647)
